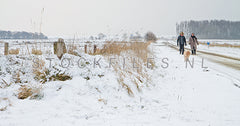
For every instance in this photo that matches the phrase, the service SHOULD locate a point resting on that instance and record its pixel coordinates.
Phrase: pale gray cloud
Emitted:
(67, 17)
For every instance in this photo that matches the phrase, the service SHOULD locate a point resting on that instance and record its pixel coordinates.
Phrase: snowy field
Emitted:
(227, 51)
(216, 41)
(173, 96)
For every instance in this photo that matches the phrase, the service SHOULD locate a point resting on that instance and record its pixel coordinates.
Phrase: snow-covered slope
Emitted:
(177, 96)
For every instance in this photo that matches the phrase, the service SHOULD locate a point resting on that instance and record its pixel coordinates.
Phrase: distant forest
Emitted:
(214, 29)
(21, 35)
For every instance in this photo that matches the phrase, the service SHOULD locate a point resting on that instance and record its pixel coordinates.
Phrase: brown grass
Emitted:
(24, 92)
(36, 52)
(27, 91)
(14, 51)
(136, 49)
(137, 78)
(60, 77)
(40, 71)
(71, 49)
(124, 85)
(42, 74)
(140, 51)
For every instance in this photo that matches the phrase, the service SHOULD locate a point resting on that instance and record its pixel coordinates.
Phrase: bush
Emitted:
(150, 37)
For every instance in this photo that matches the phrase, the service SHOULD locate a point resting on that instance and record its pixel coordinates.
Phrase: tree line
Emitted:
(21, 35)
(213, 29)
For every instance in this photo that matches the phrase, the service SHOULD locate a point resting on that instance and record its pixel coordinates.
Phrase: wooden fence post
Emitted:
(59, 48)
(55, 47)
(6, 48)
(85, 48)
(94, 49)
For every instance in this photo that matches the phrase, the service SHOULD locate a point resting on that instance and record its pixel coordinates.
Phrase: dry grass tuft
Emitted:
(36, 52)
(60, 77)
(14, 51)
(40, 71)
(42, 74)
(130, 92)
(27, 91)
(136, 78)
(140, 49)
(24, 92)
(72, 49)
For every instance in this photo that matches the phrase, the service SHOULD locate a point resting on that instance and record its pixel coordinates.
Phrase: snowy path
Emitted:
(201, 97)
(227, 65)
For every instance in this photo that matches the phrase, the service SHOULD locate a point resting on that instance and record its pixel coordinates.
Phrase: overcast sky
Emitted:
(85, 17)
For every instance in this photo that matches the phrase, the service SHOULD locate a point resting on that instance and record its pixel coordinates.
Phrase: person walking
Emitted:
(181, 41)
(193, 42)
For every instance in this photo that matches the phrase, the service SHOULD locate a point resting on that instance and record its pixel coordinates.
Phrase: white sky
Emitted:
(86, 17)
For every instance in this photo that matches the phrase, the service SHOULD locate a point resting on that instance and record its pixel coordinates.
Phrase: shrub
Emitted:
(150, 37)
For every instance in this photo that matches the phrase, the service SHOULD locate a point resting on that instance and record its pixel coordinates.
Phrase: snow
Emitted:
(176, 95)
(227, 51)
(216, 41)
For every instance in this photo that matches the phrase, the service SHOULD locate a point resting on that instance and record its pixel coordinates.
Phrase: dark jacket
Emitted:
(181, 40)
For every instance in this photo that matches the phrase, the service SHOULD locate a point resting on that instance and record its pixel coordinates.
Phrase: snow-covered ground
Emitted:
(174, 96)
(226, 51)
(220, 41)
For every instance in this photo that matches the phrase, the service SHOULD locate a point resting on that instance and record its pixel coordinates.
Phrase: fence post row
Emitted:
(59, 48)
